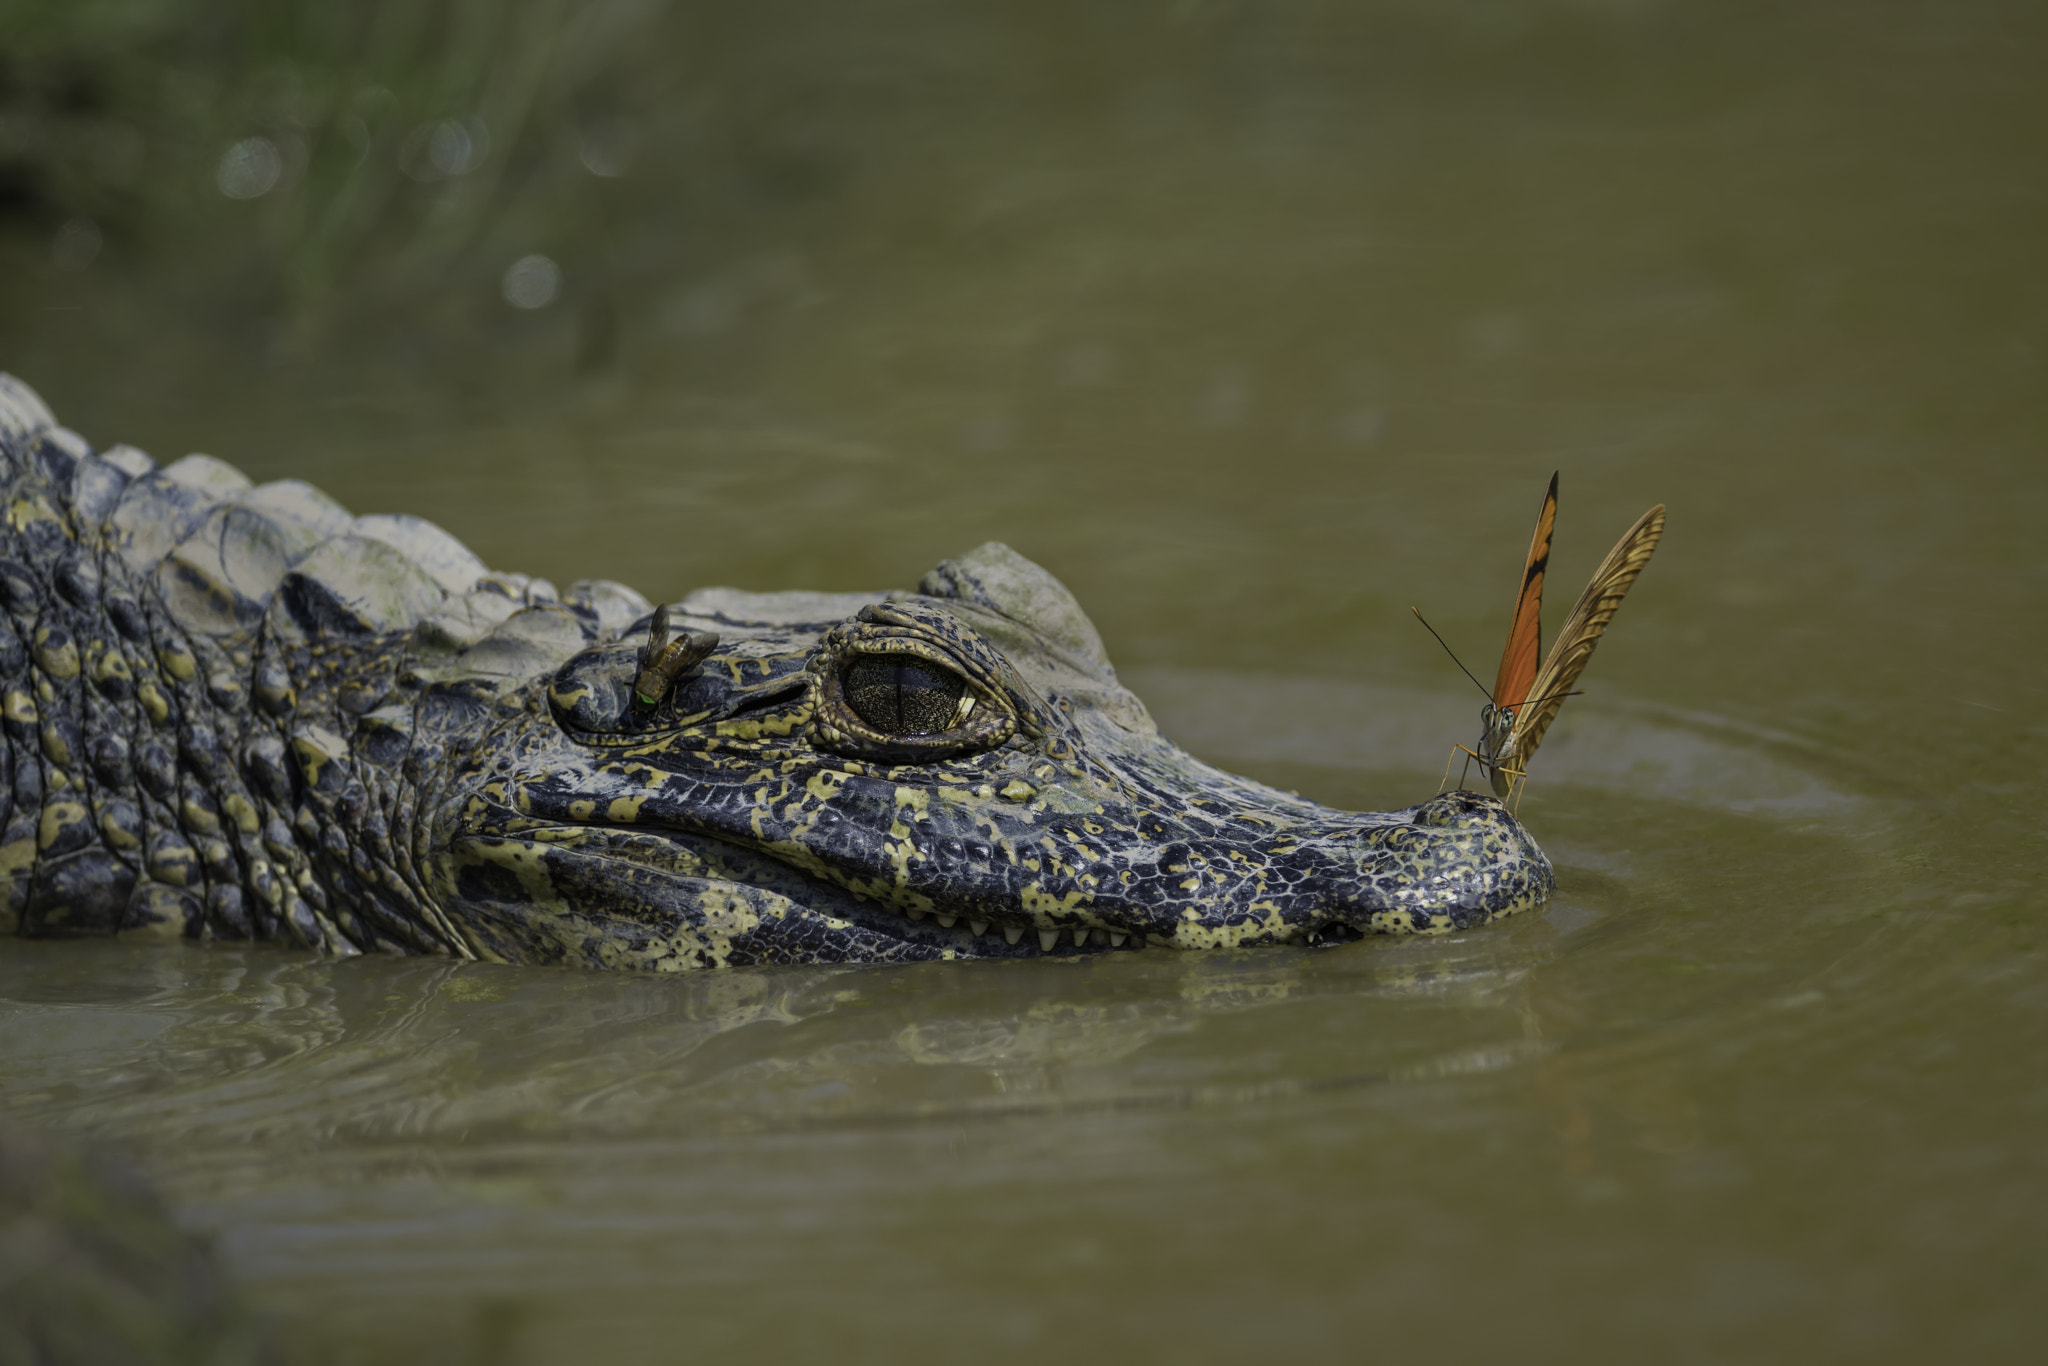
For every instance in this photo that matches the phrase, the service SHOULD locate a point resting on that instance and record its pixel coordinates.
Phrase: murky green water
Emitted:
(1256, 324)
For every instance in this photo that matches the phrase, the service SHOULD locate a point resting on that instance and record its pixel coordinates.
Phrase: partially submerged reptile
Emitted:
(240, 712)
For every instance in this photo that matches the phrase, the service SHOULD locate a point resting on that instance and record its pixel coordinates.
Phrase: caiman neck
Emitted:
(161, 781)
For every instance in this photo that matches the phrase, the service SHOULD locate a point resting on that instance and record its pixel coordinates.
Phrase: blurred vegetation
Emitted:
(1198, 183)
(416, 150)
(639, 143)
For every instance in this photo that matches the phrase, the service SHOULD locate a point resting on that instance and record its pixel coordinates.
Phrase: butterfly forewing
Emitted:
(1525, 628)
(1581, 632)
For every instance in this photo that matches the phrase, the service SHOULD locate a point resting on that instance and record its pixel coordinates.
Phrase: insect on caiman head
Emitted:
(751, 778)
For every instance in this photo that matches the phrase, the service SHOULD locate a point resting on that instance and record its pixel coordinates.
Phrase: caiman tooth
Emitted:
(1080, 936)
(914, 913)
(980, 927)
(1013, 932)
(949, 920)
(1047, 939)
(1116, 939)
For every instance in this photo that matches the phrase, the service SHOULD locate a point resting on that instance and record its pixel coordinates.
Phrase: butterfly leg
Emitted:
(1518, 780)
(1464, 772)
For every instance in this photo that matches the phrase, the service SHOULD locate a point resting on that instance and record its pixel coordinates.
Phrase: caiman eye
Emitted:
(905, 695)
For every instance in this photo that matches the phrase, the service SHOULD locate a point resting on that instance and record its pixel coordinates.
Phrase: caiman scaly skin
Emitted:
(239, 712)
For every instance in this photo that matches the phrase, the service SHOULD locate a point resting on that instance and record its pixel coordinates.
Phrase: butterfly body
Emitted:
(1496, 724)
(1526, 694)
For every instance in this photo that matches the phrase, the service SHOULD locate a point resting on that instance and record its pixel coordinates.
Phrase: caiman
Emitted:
(239, 712)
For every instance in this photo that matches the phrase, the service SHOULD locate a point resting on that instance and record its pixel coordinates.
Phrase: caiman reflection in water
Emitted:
(237, 711)
(298, 1050)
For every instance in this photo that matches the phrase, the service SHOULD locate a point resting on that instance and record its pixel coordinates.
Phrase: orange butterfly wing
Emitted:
(1525, 631)
(1582, 631)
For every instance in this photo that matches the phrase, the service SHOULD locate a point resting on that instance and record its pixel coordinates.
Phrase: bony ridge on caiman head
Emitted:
(239, 712)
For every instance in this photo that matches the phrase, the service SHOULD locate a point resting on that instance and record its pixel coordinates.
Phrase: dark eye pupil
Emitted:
(903, 695)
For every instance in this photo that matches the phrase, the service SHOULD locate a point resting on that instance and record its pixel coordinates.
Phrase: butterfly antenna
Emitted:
(1449, 651)
(1575, 692)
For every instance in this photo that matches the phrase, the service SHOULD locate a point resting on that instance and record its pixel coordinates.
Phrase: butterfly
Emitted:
(1525, 697)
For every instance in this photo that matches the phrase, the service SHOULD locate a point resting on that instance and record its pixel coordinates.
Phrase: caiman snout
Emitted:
(1455, 861)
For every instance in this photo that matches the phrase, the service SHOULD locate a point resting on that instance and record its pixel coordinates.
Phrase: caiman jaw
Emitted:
(962, 873)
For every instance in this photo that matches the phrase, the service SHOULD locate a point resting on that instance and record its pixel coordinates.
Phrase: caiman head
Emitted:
(951, 773)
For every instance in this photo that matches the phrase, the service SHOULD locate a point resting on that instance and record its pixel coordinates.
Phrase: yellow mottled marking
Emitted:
(1038, 901)
(27, 511)
(173, 863)
(242, 812)
(315, 749)
(17, 856)
(60, 661)
(524, 862)
(177, 663)
(197, 818)
(768, 727)
(108, 663)
(54, 747)
(152, 702)
(625, 810)
(57, 818)
(19, 707)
